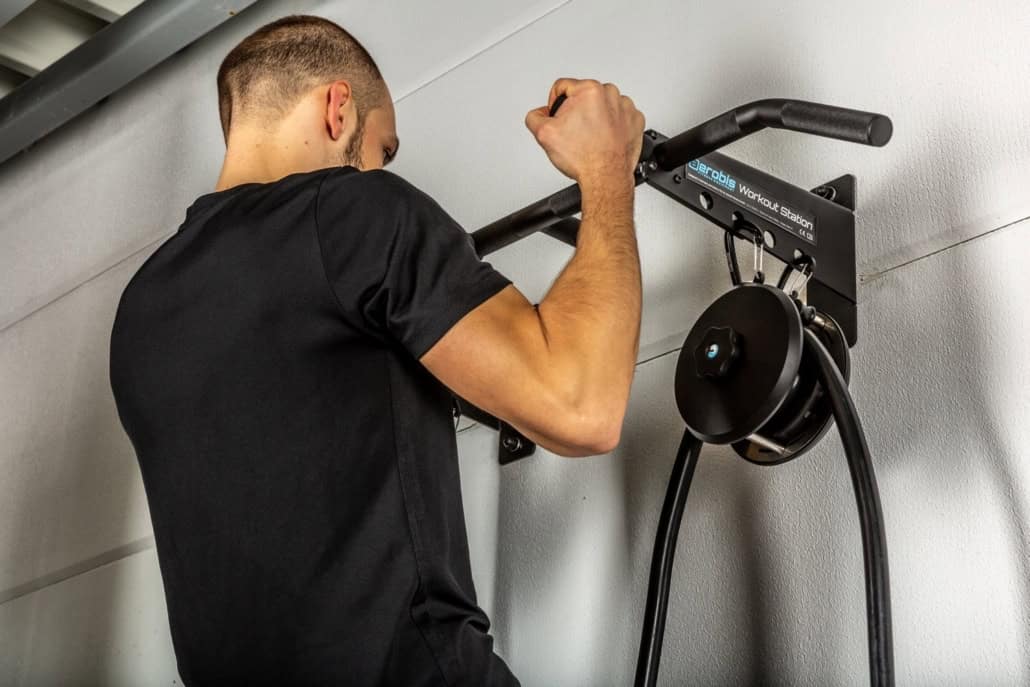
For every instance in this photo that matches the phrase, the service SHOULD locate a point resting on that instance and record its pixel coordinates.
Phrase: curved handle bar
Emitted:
(843, 124)
(840, 123)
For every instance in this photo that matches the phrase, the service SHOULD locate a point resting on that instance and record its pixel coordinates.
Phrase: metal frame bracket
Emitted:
(713, 186)
(511, 445)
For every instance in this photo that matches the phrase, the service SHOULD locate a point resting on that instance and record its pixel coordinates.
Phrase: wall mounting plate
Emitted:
(511, 446)
(819, 223)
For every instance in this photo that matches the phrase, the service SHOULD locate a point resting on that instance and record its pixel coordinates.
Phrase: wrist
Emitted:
(607, 185)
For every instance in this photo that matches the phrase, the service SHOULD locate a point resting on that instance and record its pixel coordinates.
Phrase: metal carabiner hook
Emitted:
(759, 258)
(731, 257)
(805, 265)
(738, 230)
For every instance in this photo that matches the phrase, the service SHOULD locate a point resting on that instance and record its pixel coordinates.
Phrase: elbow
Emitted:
(605, 441)
(598, 433)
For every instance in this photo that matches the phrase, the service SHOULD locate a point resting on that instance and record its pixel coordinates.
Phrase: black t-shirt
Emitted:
(300, 464)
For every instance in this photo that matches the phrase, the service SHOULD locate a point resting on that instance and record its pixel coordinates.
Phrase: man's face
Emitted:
(375, 142)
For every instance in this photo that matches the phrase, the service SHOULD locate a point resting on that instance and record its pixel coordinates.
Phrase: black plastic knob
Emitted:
(738, 363)
(716, 353)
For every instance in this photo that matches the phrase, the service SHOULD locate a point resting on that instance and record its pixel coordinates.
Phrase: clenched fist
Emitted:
(597, 132)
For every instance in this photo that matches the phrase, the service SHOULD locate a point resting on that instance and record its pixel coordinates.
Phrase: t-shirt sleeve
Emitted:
(400, 267)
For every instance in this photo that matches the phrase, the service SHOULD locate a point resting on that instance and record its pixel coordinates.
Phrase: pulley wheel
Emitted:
(738, 363)
(805, 415)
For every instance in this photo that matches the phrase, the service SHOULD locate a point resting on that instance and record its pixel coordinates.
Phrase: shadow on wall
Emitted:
(977, 325)
(66, 432)
(784, 542)
(757, 599)
(951, 348)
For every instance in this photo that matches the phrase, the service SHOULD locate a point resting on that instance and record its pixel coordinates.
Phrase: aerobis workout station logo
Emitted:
(754, 198)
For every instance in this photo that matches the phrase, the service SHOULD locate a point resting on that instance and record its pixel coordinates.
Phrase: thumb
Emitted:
(536, 117)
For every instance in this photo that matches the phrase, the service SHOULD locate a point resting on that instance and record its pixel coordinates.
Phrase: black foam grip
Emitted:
(796, 115)
(836, 122)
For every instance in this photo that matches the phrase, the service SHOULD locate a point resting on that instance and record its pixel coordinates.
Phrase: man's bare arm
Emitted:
(560, 372)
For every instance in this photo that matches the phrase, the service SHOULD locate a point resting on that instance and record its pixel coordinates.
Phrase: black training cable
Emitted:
(662, 559)
(874, 544)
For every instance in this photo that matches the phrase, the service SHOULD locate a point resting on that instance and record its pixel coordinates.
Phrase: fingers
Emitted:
(569, 87)
(638, 116)
(536, 117)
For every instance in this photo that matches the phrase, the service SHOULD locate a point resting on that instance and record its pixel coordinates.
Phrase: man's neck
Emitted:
(260, 157)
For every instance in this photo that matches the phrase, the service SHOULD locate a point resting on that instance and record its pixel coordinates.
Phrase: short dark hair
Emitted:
(280, 61)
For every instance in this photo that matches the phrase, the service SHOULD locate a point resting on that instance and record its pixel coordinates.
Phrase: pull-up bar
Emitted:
(717, 381)
(796, 225)
(794, 115)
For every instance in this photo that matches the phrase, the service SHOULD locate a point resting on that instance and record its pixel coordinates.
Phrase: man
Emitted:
(285, 366)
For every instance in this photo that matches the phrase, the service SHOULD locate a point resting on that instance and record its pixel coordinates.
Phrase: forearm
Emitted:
(591, 315)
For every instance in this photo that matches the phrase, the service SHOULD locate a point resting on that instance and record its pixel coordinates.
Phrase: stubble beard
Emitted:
(352, 155)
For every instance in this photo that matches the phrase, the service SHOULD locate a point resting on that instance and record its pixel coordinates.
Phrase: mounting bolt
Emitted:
(652, 165)
(677, 178)
(511, 444)
(827, 192)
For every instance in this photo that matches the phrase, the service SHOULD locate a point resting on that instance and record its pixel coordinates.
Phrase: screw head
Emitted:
(511, 444)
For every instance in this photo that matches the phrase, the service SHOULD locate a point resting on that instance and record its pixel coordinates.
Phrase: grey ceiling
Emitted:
(60, 57)
(34, 35)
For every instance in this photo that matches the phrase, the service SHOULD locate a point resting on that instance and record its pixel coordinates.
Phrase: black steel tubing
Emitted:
(840, 123)
(796, 115)
(874, 544)
(662, 559)
(529, 220)
(565, 230)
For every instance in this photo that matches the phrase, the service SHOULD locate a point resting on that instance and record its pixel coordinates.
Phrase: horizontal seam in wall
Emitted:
(32, 309)
(76, 569)
(134, 547)
(639, 363)
(871, 276)
(468, 59)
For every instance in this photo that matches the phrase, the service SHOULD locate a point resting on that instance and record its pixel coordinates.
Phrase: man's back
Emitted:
(299, 463)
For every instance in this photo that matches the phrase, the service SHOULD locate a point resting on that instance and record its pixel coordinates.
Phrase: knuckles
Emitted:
(545, 133)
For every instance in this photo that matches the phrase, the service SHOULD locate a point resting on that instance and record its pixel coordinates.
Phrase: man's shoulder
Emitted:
(380, 186)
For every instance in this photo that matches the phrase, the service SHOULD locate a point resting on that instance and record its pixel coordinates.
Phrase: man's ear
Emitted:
(339, 110)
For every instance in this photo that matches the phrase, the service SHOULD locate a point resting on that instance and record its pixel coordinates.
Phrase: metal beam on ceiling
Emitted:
(110, 59)
(9, 80)
(9, 9)
(108, 10)
(42, 34)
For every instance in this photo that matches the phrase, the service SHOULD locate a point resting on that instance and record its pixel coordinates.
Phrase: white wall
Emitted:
(768, 583)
